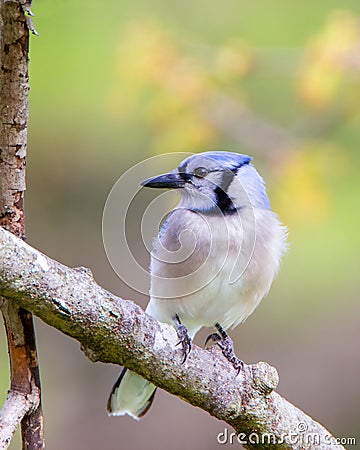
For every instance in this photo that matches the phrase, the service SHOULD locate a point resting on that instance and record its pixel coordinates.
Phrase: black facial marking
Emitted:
(185, 176)
(223, 201)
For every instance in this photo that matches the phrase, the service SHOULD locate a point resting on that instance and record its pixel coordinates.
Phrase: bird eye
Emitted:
(200, 172)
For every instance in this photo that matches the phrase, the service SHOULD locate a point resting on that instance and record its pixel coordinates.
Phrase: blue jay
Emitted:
(213, 261)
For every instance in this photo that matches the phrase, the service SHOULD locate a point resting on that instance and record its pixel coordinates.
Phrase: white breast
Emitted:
(209, 269)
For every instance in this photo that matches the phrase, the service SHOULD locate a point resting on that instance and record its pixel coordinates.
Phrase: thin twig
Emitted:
(14, 409)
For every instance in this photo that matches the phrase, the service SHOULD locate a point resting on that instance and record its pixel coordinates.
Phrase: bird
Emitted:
(213, 261)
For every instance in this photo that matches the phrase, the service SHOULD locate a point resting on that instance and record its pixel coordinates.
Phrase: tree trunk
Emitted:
(23, 401)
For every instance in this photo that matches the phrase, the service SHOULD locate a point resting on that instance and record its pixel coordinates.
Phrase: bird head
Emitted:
(215, 182)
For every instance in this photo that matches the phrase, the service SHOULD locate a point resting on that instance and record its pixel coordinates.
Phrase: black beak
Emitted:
(170, 180)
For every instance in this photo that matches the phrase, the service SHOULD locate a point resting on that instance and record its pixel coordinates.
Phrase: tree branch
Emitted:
(15, 407)
(117, 331)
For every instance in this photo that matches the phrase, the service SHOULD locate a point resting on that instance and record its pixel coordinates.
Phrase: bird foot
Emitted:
(227, 347)
(184, 338)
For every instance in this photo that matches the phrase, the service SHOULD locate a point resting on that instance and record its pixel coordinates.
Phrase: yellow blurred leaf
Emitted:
(327, 61)
(303, 192)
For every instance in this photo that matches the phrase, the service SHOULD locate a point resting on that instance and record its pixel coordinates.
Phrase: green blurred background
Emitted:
(115, 82)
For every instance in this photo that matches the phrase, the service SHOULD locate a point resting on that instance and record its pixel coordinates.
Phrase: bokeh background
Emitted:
(114, 82)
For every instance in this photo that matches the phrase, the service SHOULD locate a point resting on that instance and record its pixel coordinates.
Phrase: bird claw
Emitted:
(227, 347)
(30, 25)
(26, 8)
(184, 338)
(212, 337)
